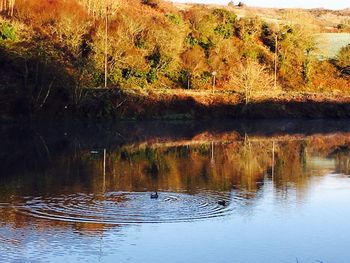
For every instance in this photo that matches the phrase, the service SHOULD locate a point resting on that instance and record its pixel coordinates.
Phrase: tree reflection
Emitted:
(219, 162)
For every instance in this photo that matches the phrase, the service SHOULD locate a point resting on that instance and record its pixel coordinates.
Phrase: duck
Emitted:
(154, 196)
(222, 202)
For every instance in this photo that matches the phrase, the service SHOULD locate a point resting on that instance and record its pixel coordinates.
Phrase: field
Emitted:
(327, 20)
(331, 43)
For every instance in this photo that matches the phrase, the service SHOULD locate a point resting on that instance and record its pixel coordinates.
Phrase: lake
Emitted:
(228, 191)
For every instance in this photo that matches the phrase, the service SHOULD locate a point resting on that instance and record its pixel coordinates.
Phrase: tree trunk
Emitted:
(4, 6)
(12, 6)
(188, 80)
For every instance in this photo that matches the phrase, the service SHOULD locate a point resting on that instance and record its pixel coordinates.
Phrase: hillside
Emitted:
(332, 26)
(327, 20)
(155, 59)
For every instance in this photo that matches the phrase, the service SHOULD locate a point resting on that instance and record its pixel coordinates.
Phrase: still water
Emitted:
(80, 192)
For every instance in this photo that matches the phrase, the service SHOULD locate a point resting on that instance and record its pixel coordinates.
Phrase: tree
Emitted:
(223, 57)
(7, 6)
(231, 4)
(151, 3)
(194, 64)
(296, 48)
(225, 21)
(252, 76)
(343, 59)
(248, 28)
(202, 25)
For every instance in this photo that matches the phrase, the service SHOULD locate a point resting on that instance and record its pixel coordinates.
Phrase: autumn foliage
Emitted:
(152, 45)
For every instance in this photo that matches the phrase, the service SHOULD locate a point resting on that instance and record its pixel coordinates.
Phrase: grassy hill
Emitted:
(328, 20)
(330, 44)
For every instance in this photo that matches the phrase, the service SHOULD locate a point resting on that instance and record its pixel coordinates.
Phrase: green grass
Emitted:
(330, 44)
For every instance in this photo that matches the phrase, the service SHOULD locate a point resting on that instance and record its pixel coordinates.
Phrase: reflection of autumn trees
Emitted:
(216, 162)
(290, 164)
(242, 164)
(17, 220)
(342, 159)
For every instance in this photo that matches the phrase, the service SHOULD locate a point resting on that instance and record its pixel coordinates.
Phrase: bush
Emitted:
(227, 19)
(174, 18)
(151, 3)
(341, 26)
(7, 32)
(343, 59)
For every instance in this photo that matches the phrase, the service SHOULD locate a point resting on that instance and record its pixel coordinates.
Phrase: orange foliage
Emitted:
(47, 12)
(327, 78)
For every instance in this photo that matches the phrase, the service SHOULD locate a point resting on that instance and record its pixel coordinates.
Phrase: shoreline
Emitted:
(169, 104)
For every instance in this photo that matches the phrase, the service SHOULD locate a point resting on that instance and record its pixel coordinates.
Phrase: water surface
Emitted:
(81, 192)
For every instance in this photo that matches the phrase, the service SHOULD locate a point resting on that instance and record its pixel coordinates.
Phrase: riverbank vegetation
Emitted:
(116, 58)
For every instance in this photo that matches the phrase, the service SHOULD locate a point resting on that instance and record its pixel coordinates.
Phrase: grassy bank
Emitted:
(179, 104)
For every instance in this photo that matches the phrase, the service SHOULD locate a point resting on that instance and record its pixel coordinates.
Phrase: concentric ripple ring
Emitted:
(127, 207)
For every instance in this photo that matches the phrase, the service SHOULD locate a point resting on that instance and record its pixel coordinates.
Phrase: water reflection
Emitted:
(64, 180)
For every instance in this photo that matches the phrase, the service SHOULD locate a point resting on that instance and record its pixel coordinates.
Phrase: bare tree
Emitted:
(7, 6)
(3, 5)
(12, 7)
(252, 76)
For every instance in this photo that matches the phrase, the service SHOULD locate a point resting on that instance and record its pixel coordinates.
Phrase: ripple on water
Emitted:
(127, 207)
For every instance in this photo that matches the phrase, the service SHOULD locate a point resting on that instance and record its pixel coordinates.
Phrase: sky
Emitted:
(330, 4)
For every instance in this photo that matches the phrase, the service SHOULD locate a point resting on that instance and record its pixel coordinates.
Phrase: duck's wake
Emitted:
(127, 207)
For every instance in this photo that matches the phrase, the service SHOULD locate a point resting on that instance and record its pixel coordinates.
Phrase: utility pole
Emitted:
(106, 42)
(214, 80)
(276, 50)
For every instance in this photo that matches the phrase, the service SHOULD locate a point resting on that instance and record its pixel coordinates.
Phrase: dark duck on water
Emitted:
(154, 196)
(222, 202)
